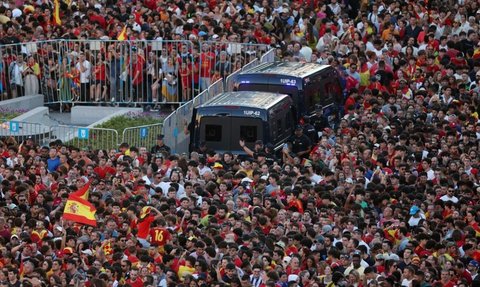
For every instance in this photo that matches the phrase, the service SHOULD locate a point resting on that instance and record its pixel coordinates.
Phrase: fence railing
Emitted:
(120, 72)
(57, 61)
(21, 131)
(142, 136)
(81, 137)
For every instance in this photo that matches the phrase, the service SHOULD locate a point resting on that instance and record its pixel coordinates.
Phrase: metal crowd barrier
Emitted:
(22, 131)
(142, 136)
(83, 137)
(120, 72)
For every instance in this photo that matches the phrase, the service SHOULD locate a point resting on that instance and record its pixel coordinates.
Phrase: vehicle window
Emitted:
(213, 133)
(248, 133)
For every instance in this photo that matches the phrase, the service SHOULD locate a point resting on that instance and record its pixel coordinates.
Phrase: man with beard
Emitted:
(221, 215)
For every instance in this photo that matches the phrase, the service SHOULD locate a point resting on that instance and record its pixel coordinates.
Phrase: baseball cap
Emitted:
(414, 209)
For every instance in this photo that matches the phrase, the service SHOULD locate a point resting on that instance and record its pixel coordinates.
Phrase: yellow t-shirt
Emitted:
(184, 270)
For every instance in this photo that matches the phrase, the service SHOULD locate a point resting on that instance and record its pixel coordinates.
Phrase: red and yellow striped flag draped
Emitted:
(123, 35)
(56, 13)
(80, 210)
(82, 192)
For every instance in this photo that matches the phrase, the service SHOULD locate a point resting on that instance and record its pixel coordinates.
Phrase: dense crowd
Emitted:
(388, 196)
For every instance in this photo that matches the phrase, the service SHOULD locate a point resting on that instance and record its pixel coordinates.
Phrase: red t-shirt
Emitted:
(159, 236)
(137, 283)
(144, 227)
(137, 66)
(103, 171)
(207, 63)
(100, 73)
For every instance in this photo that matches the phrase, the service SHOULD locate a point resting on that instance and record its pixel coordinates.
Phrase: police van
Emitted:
(309, 84)
(250, 116)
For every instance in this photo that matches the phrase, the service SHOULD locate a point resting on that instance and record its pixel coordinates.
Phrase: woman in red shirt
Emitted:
(98, 88)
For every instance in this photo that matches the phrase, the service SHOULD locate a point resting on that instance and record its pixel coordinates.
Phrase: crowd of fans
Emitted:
(388, 197)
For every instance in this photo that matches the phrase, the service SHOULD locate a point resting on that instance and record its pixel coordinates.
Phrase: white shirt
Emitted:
(17, 70)
(85, 76)
(413, 221)
(446, 198)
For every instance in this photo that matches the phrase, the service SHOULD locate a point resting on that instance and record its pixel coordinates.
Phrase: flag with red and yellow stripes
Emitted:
(123, 35)
(80, 210)
(56, 12)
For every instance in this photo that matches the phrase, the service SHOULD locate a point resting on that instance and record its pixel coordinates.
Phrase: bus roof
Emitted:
(292, 69)
(246, 99)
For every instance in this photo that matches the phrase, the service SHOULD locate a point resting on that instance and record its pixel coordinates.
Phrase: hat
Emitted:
(202, 33)
(379, 257)
(349, 180)
(16, 13)
(13, 236)
(190, 21)
(287, 260)
(160, 137)
(416, 259)
(414, 209)
(246, 179)
(87, 252)
(393, 257)
(298, 127)
(326, 229)
(145, 211)
(218, 165)
(474, 263)
(292, 277)
(320, 239)
(192, 238)
(280, 244)
(67, 250)
(215, 36)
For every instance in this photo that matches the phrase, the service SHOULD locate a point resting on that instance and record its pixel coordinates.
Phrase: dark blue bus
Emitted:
(309, 84)
(221, 122)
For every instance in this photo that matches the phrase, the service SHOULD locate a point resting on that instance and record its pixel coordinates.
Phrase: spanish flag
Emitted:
(123, 35)
(80, 210)
(476, 54)
(82, 192)
(56, 13)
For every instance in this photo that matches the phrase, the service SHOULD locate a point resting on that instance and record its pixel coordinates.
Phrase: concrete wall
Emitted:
(37, 115)
(90, 116)
(23, 103)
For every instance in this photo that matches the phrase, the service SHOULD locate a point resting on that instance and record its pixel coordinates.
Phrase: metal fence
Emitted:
(120, 72)
(215, 89)
(21, 131)
(142, 136)
(83, 137)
